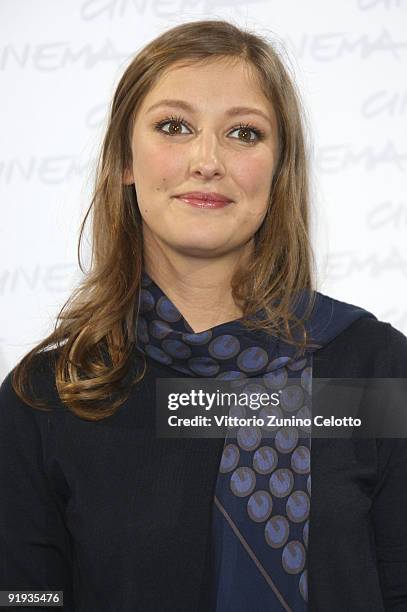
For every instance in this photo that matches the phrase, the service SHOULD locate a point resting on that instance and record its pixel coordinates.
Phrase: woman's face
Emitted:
(203, 148)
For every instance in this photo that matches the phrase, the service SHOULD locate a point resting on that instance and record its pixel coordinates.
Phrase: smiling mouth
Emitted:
(199, 203)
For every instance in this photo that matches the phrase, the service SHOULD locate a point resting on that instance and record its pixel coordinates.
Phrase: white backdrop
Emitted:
(59, 65)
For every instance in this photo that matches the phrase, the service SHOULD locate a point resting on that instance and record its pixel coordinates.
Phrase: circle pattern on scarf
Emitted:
(243, 481)
(176, 348)
(281, 482)
(230, 458)
(278, 362)
(276, 379)
(259, 506)
(147, 301)
(299, 364)
(249, 438)
(265, 460)
(252, 359)
(224, 347)
(276, 531)
(201, 338)
(238, 412)
(204, 366)
(157, 354)
(297, 506)
(304, 413)
(167, 311)
(300, 460)
(293, 557)
(292, 398)
(159, 329)
(304, 585)
(286, 439)
(266, 413)
(306, 379)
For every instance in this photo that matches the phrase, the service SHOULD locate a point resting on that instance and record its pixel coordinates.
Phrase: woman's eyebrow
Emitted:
(235, 110)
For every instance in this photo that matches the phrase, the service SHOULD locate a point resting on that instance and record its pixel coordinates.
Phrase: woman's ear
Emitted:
(128, 178)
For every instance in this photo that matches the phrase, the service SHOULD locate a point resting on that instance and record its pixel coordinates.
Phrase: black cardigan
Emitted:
(120, 519)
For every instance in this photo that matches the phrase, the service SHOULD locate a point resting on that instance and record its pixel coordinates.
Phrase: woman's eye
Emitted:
(170, 120)
(246, 129)
(178, 122)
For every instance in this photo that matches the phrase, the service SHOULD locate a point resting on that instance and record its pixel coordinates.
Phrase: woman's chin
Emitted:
(201, 247)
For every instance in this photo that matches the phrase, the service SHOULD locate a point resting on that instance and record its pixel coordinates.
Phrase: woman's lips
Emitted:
(199, 203)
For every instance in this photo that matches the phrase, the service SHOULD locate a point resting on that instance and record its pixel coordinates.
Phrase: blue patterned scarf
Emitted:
(263, 490)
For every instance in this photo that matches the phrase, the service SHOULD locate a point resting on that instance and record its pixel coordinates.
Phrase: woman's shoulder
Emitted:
(375, 332)
(366, 347)
(41, 384)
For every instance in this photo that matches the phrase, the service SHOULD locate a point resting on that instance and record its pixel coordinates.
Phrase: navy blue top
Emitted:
(122, 520)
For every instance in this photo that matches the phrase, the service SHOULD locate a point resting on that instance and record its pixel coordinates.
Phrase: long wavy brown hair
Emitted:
(93, 343)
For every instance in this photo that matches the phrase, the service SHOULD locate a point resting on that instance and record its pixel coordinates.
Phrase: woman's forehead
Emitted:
(233, 85)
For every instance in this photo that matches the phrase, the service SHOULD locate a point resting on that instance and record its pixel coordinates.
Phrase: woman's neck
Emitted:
(200, 289)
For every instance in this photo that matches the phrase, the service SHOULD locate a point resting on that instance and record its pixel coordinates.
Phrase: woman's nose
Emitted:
(206, 154)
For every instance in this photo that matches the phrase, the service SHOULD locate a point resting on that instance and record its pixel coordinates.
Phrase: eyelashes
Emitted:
(242, 126)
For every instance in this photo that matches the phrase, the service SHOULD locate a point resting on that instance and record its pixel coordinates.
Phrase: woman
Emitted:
(201, 268)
